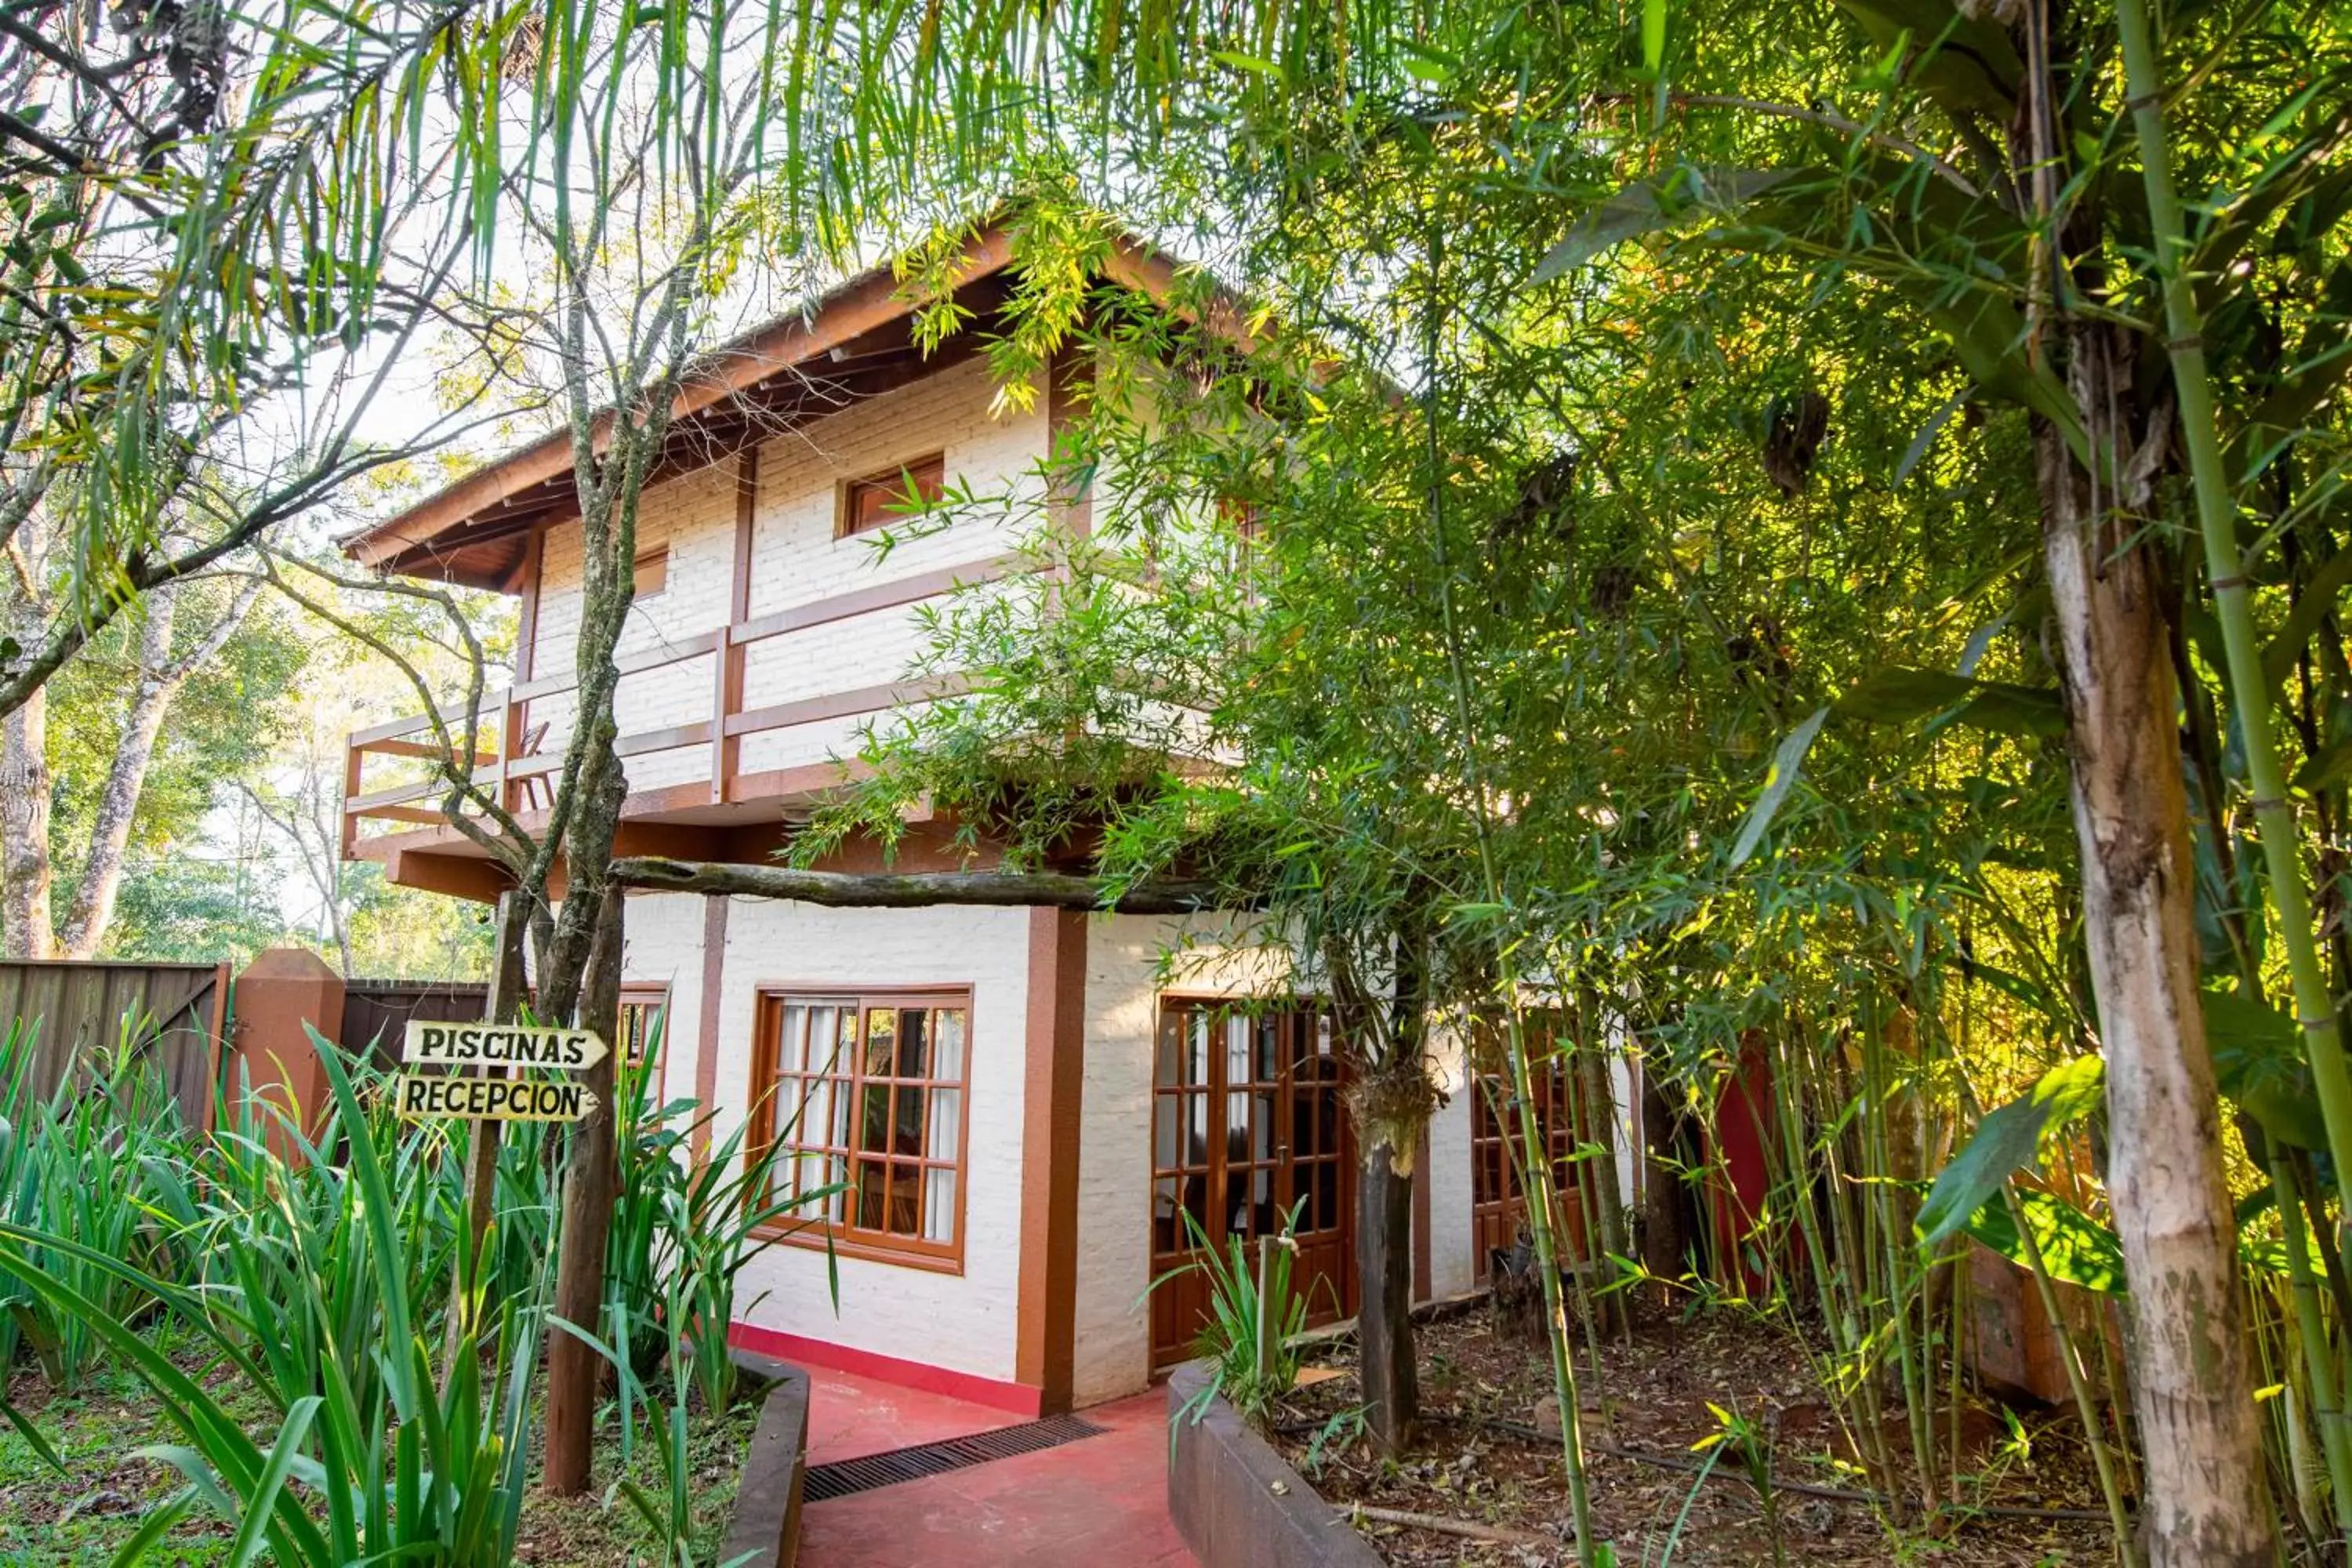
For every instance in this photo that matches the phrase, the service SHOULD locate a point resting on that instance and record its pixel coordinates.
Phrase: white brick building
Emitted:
(1020, 1107)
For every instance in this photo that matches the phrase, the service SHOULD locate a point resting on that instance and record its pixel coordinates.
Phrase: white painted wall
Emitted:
(1453, 1260)
(995, 455)
(662, 945)
(964, 1323)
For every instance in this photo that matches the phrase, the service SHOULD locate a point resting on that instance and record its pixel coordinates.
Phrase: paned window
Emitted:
(864, 1094)
(1497, 1203)
(880, 499)
(644, 1009)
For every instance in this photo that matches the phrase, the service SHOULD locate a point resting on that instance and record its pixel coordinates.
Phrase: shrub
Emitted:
(1254, 1319)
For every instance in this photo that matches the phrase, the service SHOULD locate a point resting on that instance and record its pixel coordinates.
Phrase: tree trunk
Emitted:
(92, 909)
(24, 872)
(1391, 1388)
(2203, 1501)
(1666, 1227)
(1390, 1111)
(574, 1370)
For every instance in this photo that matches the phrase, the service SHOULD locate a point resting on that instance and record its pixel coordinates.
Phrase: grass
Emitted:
(81, 1521)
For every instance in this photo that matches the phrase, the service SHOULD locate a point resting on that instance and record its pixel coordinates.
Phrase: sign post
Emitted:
(459, 1095)
(500, 1045)
(573, 1368)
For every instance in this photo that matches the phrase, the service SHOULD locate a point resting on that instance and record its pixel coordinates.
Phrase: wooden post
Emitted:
(727, 678)
(505, 1000)
(217, 1030)
(572, 1370)
(1266, 1304)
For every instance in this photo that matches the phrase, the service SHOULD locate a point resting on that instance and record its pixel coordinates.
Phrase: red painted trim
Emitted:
(1014, 1399)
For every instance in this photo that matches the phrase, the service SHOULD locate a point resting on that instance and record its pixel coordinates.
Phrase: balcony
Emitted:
(716, 730)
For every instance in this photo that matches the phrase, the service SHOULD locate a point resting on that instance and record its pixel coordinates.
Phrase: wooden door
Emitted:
(1248, 1123)
(1498, 1207)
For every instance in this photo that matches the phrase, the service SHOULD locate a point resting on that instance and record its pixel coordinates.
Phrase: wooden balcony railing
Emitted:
(513, 756)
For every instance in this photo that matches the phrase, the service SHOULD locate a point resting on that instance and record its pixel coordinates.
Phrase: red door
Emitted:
(1247, 1122)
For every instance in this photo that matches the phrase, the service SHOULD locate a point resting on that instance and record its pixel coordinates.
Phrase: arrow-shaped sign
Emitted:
(426, 1097)
(501, 1045)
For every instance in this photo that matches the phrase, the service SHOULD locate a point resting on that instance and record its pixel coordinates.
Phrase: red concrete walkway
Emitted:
(1099, 1502)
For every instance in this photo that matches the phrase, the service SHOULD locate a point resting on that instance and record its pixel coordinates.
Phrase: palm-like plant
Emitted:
(319, 1312)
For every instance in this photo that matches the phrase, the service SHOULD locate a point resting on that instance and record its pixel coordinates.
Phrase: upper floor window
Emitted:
(652, 571)
(864, 1097)
(880, 499)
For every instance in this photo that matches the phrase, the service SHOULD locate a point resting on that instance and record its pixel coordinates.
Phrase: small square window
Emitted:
(652, 571)
(878, 499)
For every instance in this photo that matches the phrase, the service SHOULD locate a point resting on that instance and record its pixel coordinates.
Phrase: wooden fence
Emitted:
(376, 1013)
(185, 1018)
(176, 1015)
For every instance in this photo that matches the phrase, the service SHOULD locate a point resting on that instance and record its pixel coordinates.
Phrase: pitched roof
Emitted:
(853, 344)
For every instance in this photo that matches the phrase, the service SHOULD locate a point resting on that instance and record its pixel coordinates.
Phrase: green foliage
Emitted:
(2259, 1061)
(1249, 1339)
(2006, 1140)
(83, 1163)
(311, 1268)
(682, 1231)
(312, 1305)
(2075, 1248)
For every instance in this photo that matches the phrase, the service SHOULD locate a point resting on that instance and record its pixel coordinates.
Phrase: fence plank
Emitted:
(376, 1013)
(76, 1009)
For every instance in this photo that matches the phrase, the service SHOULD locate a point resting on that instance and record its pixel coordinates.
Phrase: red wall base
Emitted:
(1017, 1398)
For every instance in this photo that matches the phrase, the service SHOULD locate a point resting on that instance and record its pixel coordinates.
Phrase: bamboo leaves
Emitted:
(1900, 694)
(1777, 783)
(2075, 1250)
(2259, 1062)
(2008, 1138)
(1651, 205)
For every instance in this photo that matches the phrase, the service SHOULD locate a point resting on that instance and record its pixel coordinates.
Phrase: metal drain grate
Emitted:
(843, 1477)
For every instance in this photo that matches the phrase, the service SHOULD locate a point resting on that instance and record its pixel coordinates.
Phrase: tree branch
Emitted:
(901, 890)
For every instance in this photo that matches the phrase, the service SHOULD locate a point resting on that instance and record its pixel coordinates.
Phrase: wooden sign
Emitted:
(501, 1045)
(426, 1096)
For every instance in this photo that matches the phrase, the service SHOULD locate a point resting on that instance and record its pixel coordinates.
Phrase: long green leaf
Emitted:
(2008, 1138)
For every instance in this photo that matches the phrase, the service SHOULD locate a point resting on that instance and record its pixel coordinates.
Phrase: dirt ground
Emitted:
(1482, 1458)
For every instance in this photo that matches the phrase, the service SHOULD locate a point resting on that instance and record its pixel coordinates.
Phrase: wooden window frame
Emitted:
(650, 998)
(843, 1238)
(1496, 1194)
(1300, 1020)
(653, 559)
(928, 473)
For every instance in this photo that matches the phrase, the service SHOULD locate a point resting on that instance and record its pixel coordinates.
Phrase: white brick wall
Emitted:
(1452, 1263)
(662, 945)
(965, 1323)
(795, 560)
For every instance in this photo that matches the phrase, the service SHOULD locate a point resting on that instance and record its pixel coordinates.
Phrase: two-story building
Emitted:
(1020, 1112)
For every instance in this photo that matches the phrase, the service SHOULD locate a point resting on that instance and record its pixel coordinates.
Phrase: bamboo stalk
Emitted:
(2226, 568)
(2216, 517)
(1898, 1307)
(2319, 1365)
(2077, 1380)
(1540, 1191)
